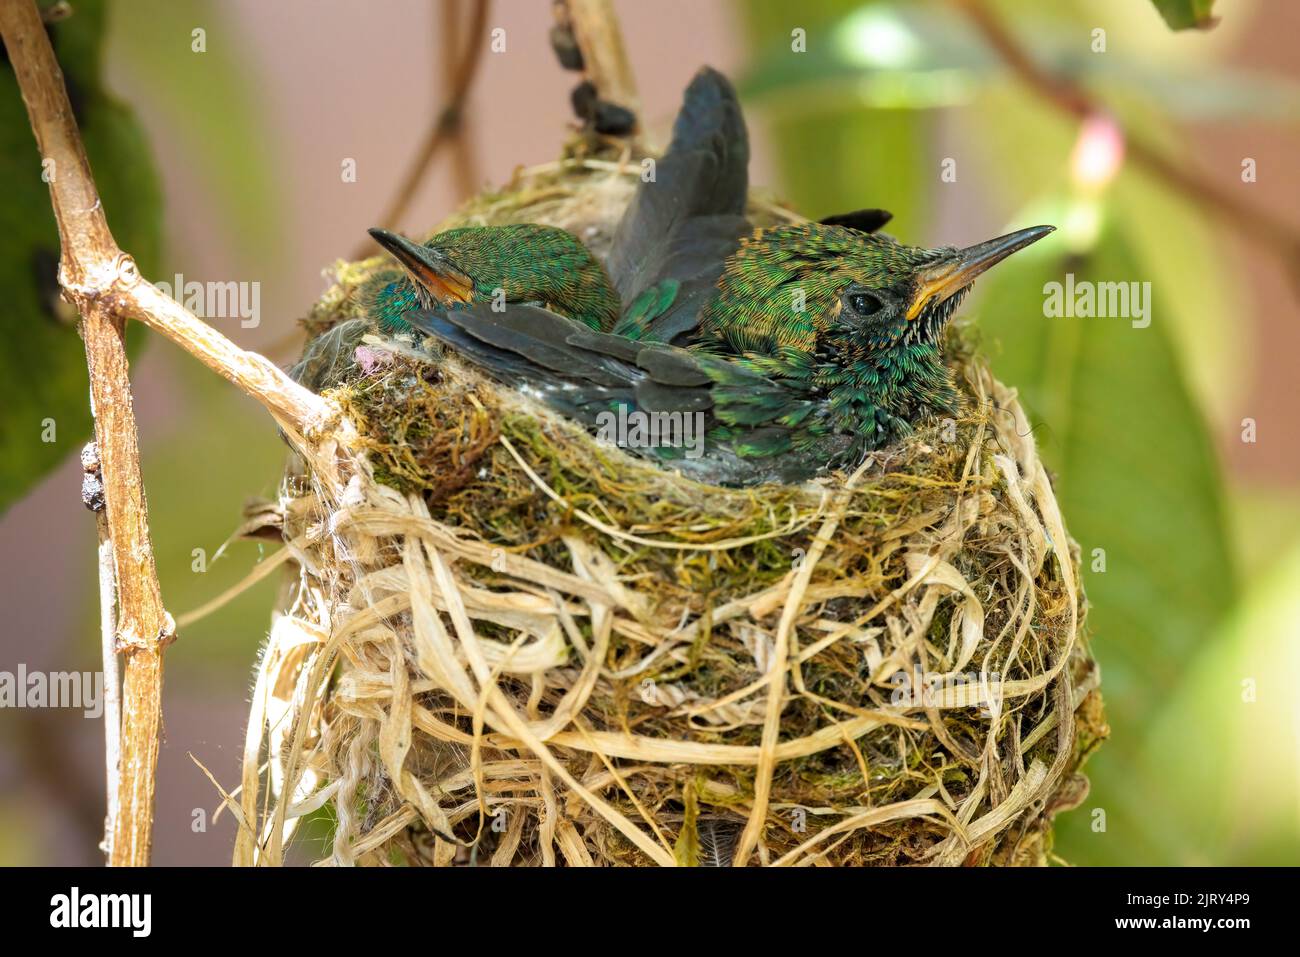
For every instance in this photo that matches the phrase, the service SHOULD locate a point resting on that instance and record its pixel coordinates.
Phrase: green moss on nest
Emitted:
(421, 436)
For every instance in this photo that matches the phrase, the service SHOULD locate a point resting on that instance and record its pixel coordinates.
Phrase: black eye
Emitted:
(864, 304)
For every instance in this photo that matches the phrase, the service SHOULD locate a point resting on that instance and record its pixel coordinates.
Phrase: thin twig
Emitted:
(464, 161)
(92, 496)
(447, 125)
(1278, 234)
(106, 288)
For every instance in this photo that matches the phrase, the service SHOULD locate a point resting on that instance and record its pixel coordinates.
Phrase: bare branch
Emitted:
(105, 286)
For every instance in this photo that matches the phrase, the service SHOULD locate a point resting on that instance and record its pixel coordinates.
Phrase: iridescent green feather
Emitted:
(517, 263)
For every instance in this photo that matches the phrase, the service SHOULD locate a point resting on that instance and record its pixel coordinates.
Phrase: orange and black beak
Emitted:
(429, 268)
(952, 274)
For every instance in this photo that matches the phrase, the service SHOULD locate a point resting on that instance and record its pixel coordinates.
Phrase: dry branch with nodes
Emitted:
(104, 284)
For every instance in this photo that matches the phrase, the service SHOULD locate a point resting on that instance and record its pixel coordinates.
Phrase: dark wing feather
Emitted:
(577, 370)
(752, 421)
(527, 346)
(862, 220)
(680, 228)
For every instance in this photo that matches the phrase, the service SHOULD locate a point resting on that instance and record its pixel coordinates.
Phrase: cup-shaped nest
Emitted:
(507, 642)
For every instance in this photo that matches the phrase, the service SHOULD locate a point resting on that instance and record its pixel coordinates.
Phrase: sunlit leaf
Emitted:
(924, 56)
(1187, 14)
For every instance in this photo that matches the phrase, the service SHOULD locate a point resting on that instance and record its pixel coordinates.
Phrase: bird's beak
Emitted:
(953, 274)
(428, 267)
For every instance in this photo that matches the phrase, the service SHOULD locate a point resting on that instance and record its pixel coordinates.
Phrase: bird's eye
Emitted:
(864, 304)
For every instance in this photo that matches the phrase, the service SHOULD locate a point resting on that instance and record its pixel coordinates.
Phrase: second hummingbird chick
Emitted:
(522, 263)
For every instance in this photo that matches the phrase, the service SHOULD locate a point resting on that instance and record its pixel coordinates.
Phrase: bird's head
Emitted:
(427, 278)
(812, 288)
(521, 262)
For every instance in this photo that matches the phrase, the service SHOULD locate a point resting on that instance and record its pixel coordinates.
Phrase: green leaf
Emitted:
(44, 406)
(1137, 477)
(878, 55)
(209, 104)
(1214, 776)
(890, 56)
(1187, 14)
(1166, 230)
(1135, 466)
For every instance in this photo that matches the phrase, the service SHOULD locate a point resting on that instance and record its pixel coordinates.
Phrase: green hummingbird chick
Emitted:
(793, 349)
(852, 323)
(820, 345)
(522, 263)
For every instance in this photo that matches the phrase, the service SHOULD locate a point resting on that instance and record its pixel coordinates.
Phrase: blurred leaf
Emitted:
(1135, 467)
(1186, 14)
(893, 56)
(209, 104)
(1209, 94)
(19, 841)
(878, 55)
(1266, 520)
(1165, 229)
(43, 367)
(1137, 477)
(1215, 776)
(836, 154)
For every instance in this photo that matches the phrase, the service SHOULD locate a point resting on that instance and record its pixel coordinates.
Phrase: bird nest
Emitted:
(505, 642)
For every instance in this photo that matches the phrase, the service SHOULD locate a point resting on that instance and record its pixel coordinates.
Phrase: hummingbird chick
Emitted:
(493, 264)
(800, 348)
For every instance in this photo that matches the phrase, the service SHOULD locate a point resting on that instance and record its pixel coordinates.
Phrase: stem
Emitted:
(445, 128)
(143, 626)
(112, 678)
